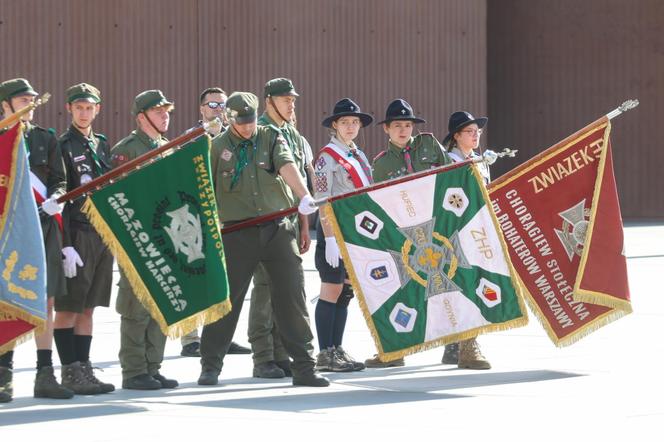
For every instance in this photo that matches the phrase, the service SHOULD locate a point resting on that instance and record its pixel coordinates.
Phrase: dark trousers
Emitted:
(273, 245)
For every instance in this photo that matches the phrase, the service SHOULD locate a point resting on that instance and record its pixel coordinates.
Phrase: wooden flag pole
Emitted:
(135, 164)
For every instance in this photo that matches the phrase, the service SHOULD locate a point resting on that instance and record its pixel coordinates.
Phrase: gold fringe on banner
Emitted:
(591, 296)
(467, 334)
(611, 315)
(10, 312)
(211, 314)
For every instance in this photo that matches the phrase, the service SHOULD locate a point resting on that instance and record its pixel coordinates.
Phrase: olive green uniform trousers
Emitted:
(141, 340)
(272, 244)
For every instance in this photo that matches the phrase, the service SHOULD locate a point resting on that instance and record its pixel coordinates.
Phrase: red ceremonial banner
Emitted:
(560, 218)
(12, 329)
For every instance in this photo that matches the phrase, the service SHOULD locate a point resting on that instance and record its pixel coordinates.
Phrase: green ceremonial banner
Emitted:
(427, 261)
(161, 223)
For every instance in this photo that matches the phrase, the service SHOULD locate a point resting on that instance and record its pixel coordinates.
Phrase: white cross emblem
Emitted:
(403, 111)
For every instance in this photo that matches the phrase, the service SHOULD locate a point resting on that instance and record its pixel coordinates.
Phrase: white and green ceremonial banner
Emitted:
(427, 261)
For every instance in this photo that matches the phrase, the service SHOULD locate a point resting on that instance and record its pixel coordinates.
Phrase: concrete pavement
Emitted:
(605, 387)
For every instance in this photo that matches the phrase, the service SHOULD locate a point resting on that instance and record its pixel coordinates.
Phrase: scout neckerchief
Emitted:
(89, 143)
(350, 160)
(407, 159)
(242, 159)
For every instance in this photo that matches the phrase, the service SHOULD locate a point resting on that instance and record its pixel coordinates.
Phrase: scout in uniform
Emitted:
(270, 356)
(48, 180)
(461, 141)
(341, 167)
(406, 154)
(251, 166)
(212, 105)
(88, 263)
(141, 340)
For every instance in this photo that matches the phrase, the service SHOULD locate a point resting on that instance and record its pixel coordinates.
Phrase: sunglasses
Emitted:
(215, 105)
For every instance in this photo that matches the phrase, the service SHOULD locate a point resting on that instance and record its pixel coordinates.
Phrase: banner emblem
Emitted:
(185, 233)
(574, 228)
(368, 224)
(431, 258)
(403, 318)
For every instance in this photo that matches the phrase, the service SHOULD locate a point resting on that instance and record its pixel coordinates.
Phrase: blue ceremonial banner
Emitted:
(22, 257)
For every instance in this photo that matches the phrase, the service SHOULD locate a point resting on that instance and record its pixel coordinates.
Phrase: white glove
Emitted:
(307, 206)
(331, 251)
(490, 156)
(71, 261)
(52, 207)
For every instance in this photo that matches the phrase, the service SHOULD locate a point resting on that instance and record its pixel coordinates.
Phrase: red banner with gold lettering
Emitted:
(560, 216)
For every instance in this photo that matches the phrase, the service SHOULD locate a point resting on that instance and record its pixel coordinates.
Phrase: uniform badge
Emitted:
(320, 182)
(320, 163)
(85, 178)
(119, 158)
(226, 155)
(79, 158)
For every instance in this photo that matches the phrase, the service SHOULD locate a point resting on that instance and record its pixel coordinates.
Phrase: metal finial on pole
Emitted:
(627, 105)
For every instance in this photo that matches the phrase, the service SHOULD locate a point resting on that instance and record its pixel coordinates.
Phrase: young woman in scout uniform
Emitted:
(341, 167)
(461, 141)
(405, 154)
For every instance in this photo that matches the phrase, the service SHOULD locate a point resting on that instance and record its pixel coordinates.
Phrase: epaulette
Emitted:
(380, 155)
(51, 131)
(102, 136)
(65, 136)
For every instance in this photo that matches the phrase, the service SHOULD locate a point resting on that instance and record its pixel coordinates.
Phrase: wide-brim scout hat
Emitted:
(242, 107)
(400, 110)
(16, 87)
(347, 108)
(149, 99)
(83, 92)
(459, 120)
(278, 87)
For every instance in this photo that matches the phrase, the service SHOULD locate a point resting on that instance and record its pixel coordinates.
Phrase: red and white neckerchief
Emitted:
(39, 189)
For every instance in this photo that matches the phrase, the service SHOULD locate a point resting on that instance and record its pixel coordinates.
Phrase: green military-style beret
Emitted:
(149, 99)
(242, 107)
(83, 92)
(15, 87)
(279, 87)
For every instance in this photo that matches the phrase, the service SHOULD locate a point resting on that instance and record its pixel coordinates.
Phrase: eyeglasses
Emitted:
(472, 131)
(215, 105)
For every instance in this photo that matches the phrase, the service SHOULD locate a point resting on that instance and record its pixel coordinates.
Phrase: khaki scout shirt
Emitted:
(294, 140)
(85, 158)
(458, 156)
(426, 153)
(260, 189)
(134, 145)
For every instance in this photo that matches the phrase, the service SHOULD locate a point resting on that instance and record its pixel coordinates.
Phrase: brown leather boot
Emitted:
(6, 388)
(47, 386)
(471, 357)
(75, 379)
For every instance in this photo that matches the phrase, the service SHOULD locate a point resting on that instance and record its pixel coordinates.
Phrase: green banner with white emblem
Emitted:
(428, 262)
(162, 225)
